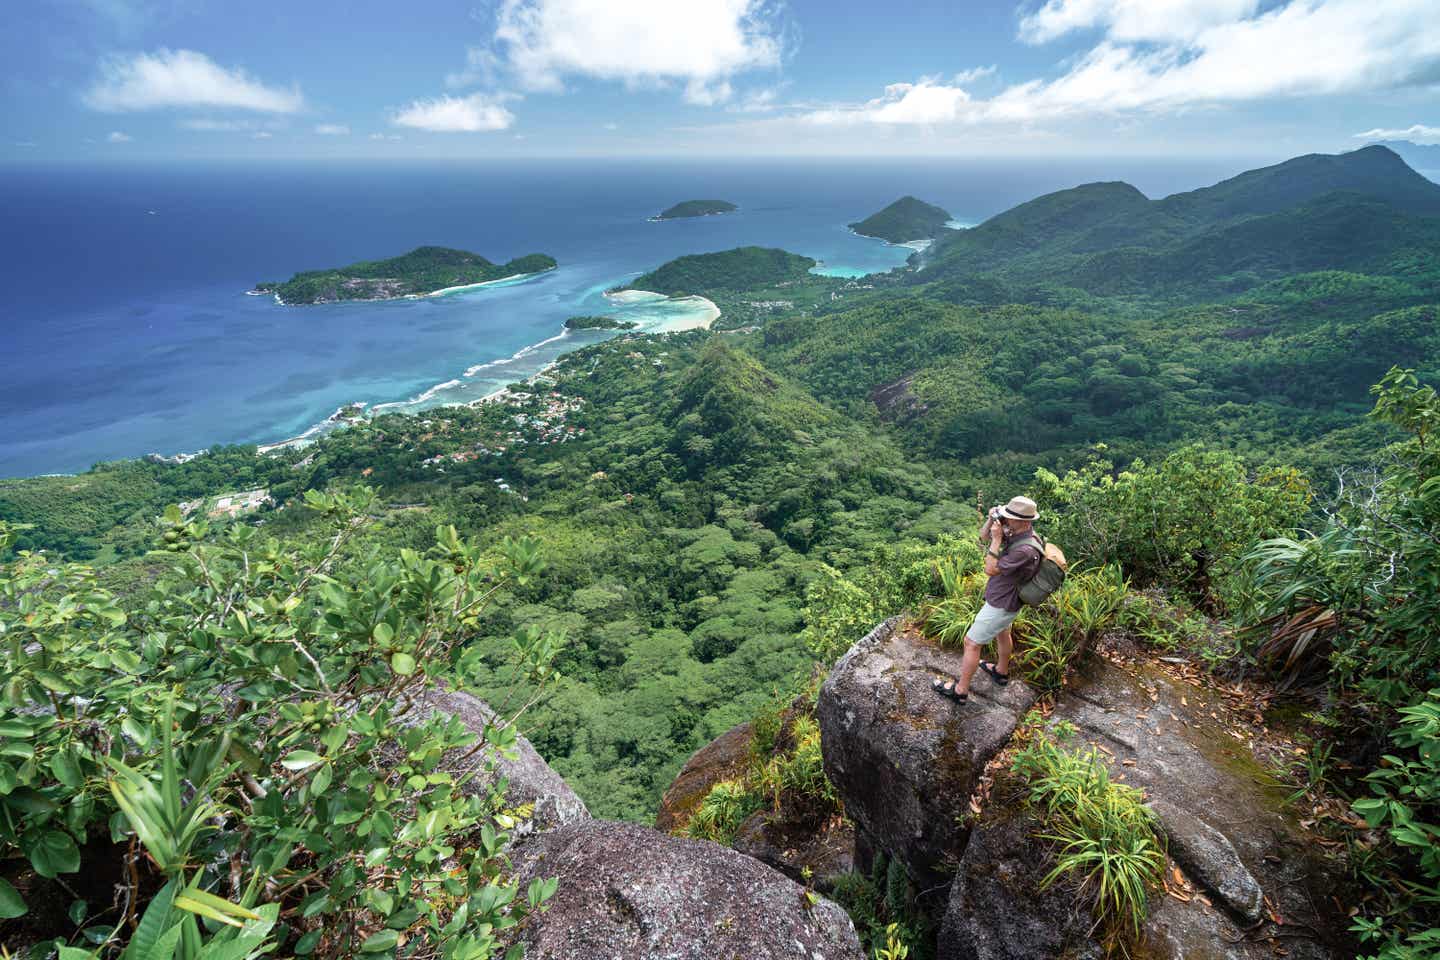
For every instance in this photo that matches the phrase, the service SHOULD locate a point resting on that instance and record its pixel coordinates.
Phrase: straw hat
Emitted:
(1020, 508)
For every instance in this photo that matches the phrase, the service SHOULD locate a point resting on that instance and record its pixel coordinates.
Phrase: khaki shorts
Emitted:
(989, 623)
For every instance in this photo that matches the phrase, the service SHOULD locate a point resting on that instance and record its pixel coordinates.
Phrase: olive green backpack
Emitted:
(1049, 575)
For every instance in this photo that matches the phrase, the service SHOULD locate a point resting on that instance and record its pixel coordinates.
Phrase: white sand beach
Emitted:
(657, 313)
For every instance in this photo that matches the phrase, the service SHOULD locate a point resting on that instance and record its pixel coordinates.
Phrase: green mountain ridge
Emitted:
(1358, 210)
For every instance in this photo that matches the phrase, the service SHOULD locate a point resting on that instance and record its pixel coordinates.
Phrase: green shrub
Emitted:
(272, 679)
(1185, 521)
(1406, 803)
(1105, 834)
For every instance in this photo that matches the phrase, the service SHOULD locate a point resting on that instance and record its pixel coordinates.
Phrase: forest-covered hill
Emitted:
(904, 220)
(421, 271)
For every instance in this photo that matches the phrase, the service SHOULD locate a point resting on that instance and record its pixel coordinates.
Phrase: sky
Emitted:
(170, 80)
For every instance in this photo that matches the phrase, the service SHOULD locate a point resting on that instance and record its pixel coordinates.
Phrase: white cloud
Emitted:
(482, 66)
(25, 144)
(612, 126)
(973, 74)
(700, 43)
(704, 94)
(332, 130)
(117, 136)
(261, 135)
(926, 102)
(209, 125)
(1131, 20)
(386, 136)
(475, 113)
(183, 78)
(1300, 48)
(1418, 133)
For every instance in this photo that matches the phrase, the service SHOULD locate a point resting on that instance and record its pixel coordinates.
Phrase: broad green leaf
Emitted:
(402, 663)
(11, 904)
(301, 760)
(54, 853)
(16, 728)
(380, 942)
(153, 923)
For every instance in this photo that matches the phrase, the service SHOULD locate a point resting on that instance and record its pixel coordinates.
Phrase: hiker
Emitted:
(1012, 557)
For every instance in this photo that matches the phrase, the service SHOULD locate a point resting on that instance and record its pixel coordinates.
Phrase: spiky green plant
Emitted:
(1106, 837)
(720, 814)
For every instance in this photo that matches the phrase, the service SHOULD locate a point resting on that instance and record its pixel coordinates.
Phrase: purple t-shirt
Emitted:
(1017, 565)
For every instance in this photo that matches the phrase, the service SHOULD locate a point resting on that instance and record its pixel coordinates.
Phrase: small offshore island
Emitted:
(904, 221)
(599, 323)
(696, 208)
(423, 272)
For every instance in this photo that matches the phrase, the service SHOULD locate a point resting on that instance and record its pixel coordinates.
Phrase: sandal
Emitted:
(996, 675)
(947, 689)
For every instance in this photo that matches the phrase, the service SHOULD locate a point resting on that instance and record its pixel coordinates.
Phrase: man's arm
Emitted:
(992, 555)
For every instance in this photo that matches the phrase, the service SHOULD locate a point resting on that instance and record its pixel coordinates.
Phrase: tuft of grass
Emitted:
(1106, 837)
(799, 772)
(728, 804)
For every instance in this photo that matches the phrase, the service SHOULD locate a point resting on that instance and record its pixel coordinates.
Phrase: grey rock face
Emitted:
(530, 779)
(794, 845)
(1207, 855)
(904, 759)
(628, 892)
(1224, 829)
(997, 910)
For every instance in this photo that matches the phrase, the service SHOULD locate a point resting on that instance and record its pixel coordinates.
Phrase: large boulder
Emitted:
(905, 760)
(798, 846)
(1224, 828)
(628, 892)
(723, 758)
(529, 779)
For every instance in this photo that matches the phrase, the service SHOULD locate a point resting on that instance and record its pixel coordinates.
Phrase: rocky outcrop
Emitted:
(627, 892)
(529, 778)
(1224, 829)
(905, 760)
(723, 758)
(793, 843)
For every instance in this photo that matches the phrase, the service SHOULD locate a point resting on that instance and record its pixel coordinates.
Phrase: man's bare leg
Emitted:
(969, 663)
(1004, 644)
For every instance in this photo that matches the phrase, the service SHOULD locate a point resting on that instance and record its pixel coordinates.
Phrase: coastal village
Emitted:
(538, 420)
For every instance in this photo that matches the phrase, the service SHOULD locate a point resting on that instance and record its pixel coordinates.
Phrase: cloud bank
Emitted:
(476, 113)
(699, 45)
(1418, 133)
(183, 78)
(1170, 55)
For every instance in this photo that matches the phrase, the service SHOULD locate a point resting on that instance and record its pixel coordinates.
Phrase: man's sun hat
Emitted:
(1020, 508)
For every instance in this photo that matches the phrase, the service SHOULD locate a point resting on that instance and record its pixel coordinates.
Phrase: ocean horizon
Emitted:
(128, 331)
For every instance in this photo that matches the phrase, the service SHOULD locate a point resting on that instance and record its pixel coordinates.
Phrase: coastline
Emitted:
(655, 313)
(514, 277)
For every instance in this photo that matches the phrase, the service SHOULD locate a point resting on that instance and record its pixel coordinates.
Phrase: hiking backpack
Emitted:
(1049, 575)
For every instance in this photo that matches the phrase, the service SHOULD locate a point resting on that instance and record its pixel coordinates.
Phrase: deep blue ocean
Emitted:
(125, 327)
